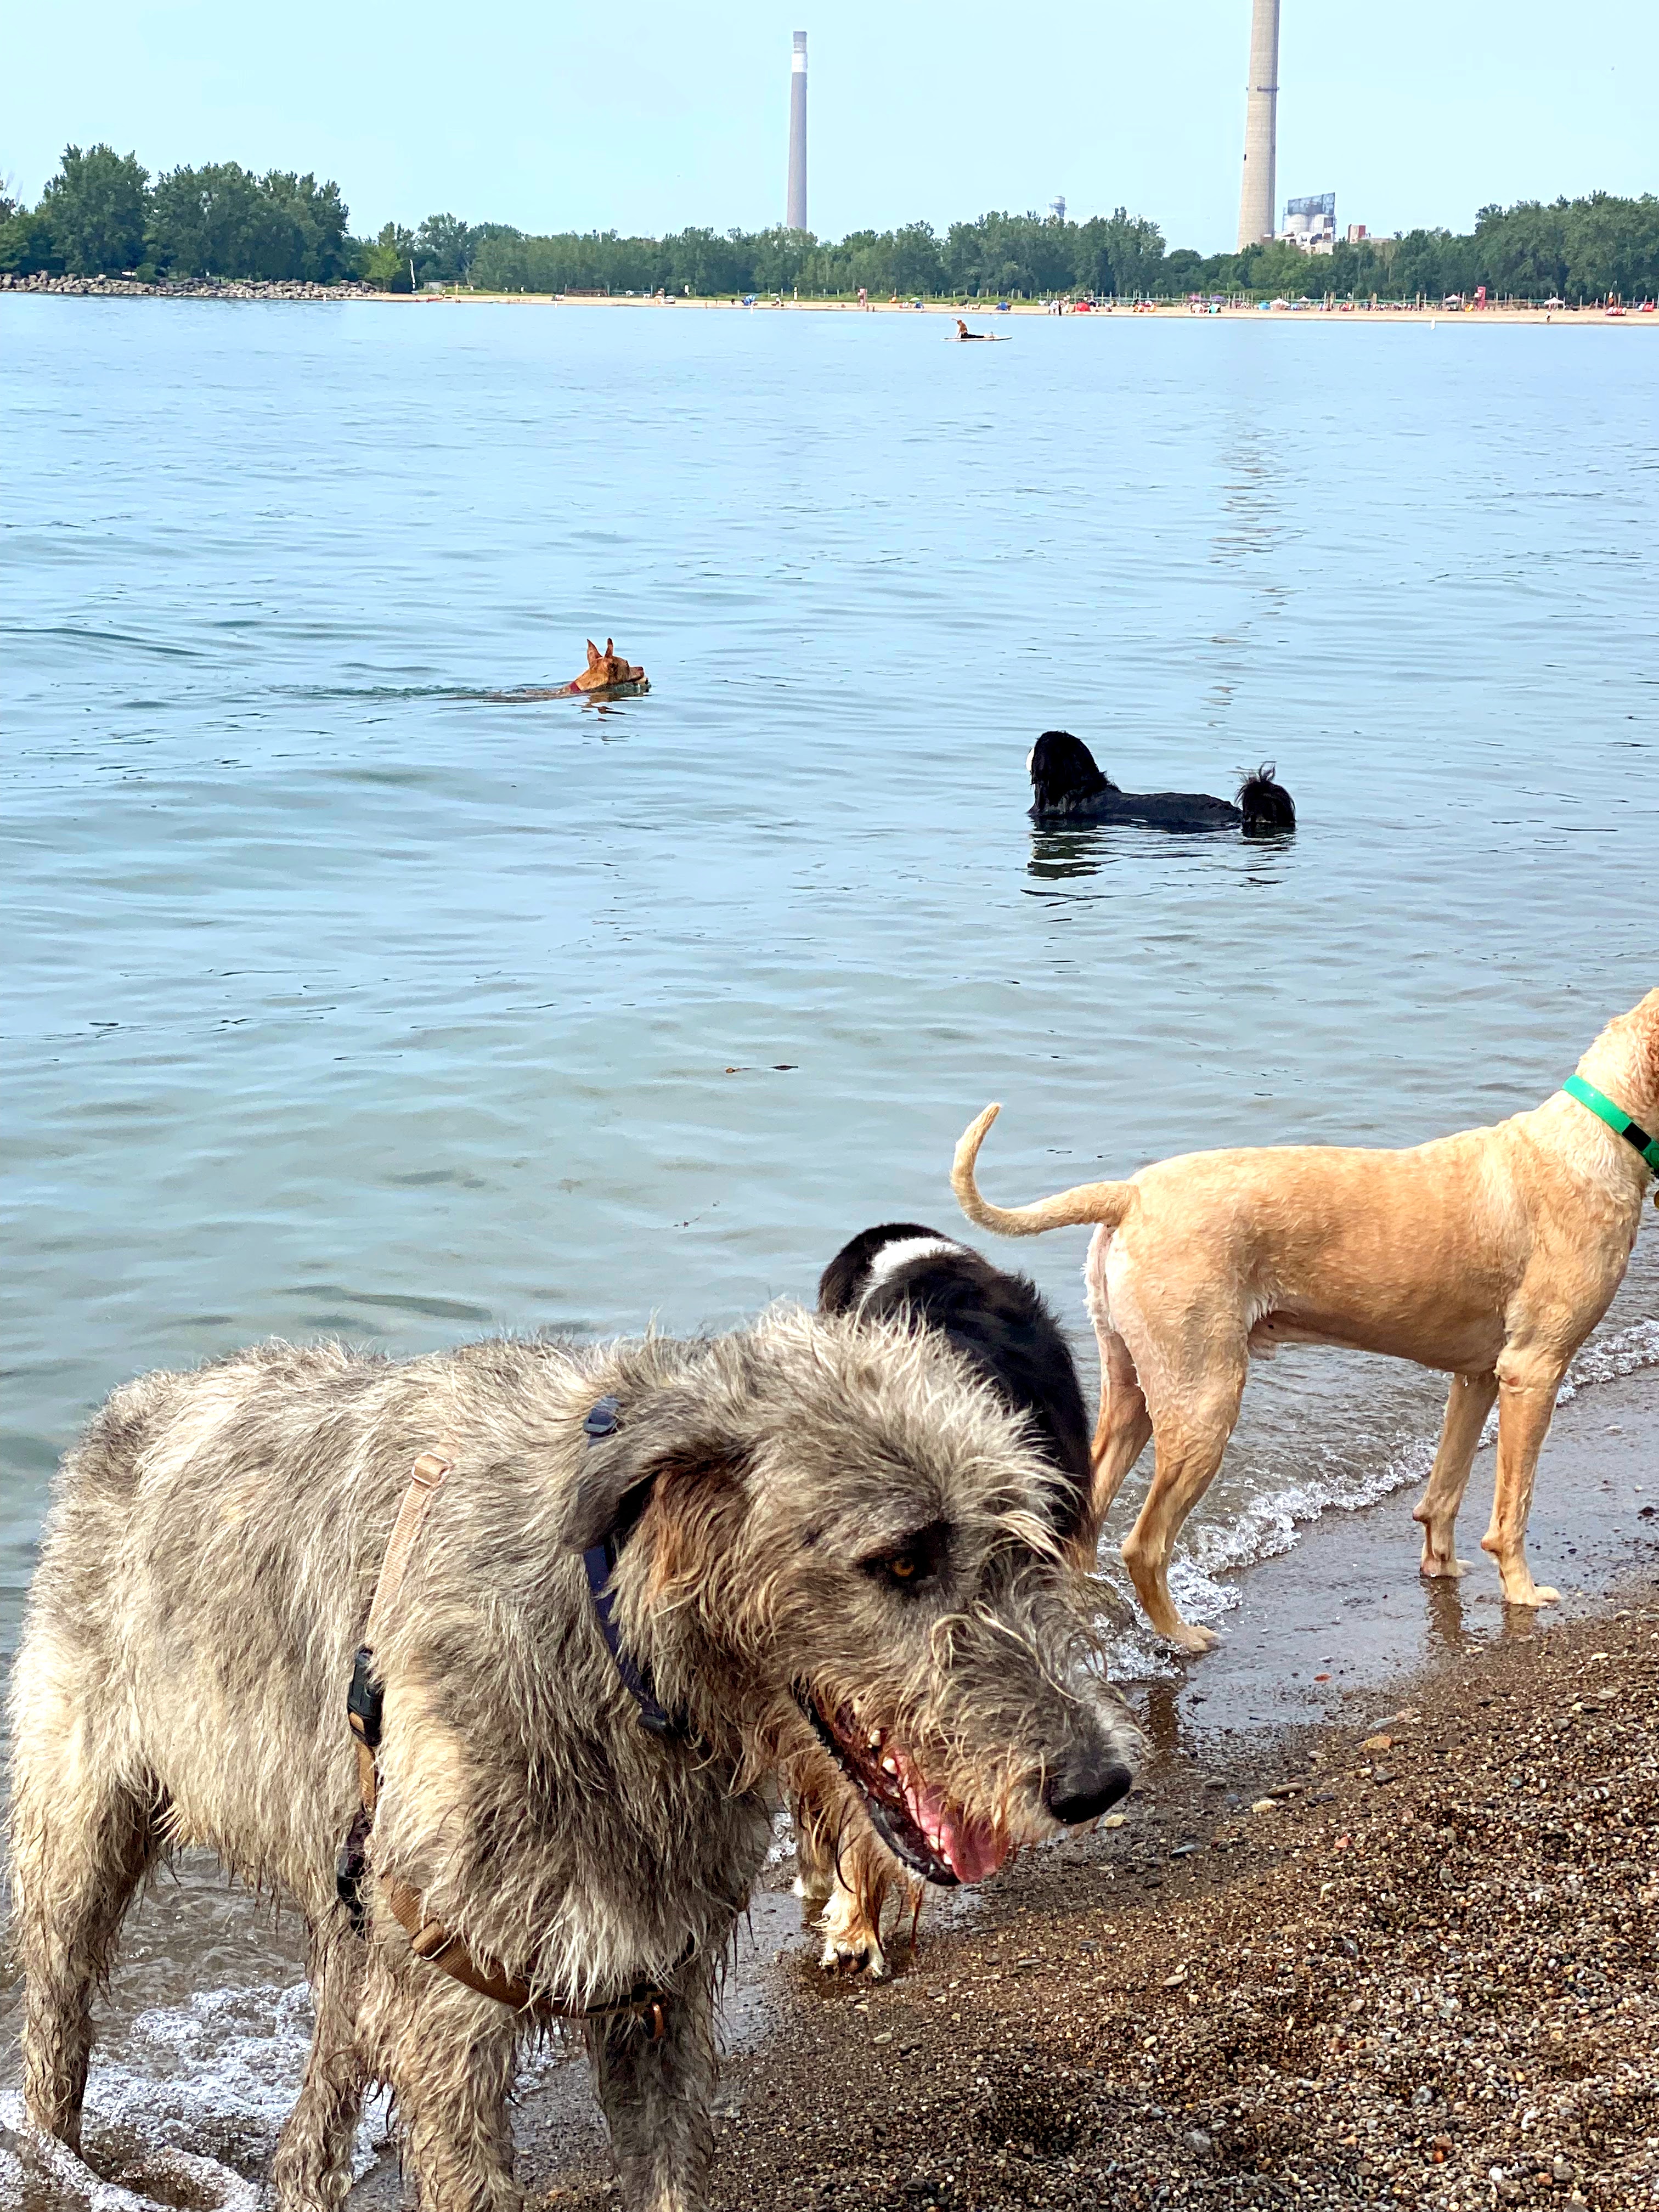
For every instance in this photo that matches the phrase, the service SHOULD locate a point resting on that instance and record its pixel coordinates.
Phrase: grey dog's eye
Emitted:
(914, 1563)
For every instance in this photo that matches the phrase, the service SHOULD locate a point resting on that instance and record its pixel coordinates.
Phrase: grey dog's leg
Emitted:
(81, 1841)
(449, 2056)
(312, 2170)
(656, 2098)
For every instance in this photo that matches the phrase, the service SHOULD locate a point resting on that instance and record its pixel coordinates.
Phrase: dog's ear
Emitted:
(594, 656)
(696, 1508)
(615, 1484)
(609, 649)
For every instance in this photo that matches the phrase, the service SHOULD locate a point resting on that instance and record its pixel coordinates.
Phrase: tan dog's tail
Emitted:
(1106, 1202)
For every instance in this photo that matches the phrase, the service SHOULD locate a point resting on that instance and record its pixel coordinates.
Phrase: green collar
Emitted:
(1615, 1117)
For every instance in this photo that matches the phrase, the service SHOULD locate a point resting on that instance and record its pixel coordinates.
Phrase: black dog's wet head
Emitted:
(1266, 807)
(1063, 770)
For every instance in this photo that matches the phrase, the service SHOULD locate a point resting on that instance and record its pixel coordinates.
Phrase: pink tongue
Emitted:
(971, 1849)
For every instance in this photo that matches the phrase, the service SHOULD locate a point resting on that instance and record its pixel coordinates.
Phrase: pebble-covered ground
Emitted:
(1406, 1960)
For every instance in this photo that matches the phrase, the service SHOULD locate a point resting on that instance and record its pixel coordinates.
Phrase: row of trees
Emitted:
(102, 214)
(1575, 250)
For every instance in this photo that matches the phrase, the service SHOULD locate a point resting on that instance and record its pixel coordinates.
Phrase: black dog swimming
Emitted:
(1070, 791)
(1001, 1322)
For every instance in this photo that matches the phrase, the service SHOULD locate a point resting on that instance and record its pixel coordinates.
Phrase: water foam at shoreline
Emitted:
(1269, 1524)
(190, 2097)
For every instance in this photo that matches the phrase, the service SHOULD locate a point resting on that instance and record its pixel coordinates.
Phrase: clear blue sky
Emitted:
(648, 117)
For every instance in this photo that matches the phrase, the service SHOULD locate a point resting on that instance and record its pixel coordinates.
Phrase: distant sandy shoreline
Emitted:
(118, 288)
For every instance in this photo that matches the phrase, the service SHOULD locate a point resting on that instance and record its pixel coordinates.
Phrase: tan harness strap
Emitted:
(429, 1939)
(426, 1480)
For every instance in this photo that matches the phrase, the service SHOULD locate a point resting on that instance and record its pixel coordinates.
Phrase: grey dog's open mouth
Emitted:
(935, 1840)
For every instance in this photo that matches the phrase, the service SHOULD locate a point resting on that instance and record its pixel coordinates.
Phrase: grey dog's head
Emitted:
(841, 1549)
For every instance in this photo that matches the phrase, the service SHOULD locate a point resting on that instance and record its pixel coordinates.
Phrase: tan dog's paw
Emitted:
(1434, 1568)
(851, 1944)
(846, 1954)
(1186, 1635)
(1534, 1593)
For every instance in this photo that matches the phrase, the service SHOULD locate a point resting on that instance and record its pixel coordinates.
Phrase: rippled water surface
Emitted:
(342, 999)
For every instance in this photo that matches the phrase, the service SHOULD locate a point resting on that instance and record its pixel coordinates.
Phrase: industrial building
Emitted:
(1311, 223)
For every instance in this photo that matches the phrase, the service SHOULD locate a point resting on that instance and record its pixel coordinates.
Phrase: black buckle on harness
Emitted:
(350, 1867)
(365, 1700)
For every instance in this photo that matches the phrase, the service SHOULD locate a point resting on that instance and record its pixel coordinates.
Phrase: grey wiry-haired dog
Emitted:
(834, 1544)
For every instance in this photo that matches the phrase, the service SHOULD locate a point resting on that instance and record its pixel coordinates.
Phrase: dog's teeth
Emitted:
(875, 1739)
(889, 1766)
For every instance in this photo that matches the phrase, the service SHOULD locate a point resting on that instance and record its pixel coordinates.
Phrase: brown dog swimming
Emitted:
(607, 676)
(608, 672)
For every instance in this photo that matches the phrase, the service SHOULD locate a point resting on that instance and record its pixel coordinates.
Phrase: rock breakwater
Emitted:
(184, 287)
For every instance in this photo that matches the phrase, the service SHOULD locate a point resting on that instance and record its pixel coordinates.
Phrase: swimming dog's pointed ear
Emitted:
(594, 656)
(609, 649)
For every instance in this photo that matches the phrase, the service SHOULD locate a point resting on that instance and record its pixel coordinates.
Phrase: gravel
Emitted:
(1430, 1983)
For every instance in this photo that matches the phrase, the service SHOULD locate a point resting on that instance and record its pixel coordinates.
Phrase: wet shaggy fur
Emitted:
(209, 1564)
(904, 1271)
(1069, 789)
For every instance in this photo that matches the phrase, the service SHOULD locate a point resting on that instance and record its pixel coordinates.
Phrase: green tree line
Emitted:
(103, 214)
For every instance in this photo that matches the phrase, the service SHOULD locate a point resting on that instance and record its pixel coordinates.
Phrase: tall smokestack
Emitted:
(796, 218)
(1256, 202)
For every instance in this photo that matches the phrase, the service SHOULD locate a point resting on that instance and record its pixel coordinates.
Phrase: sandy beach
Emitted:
(976, 312)
(111, 287)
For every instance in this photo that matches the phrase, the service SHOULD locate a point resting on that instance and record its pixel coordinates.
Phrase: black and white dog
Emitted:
(904, 1271)
(1001, 1322)
(1069, 790)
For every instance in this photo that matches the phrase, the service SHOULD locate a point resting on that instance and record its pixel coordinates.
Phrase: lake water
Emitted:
(342, 1000)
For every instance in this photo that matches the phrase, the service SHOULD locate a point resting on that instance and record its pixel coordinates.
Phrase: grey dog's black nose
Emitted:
(1083, 1785)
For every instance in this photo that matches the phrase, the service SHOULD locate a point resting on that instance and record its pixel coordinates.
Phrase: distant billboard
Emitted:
(1317, 205)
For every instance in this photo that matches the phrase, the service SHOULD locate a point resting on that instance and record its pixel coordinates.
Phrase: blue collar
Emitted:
(600, 1562)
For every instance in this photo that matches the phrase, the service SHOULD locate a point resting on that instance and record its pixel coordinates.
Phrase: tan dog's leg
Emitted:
(840, 1887)
(1527, 1383)
(1190, 1440)
(851, 1919)
(1125, 1426)
(1467, 1408)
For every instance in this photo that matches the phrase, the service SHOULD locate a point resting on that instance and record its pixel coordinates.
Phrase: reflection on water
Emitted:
(1059, 856)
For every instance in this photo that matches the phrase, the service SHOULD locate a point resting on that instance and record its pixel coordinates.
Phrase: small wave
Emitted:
(188, 2110)
(1268, 1525)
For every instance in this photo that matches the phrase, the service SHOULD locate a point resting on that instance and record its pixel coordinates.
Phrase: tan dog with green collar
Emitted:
(1491, 1254)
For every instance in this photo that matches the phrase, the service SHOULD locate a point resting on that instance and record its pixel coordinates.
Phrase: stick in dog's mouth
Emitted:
(941, 1844)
